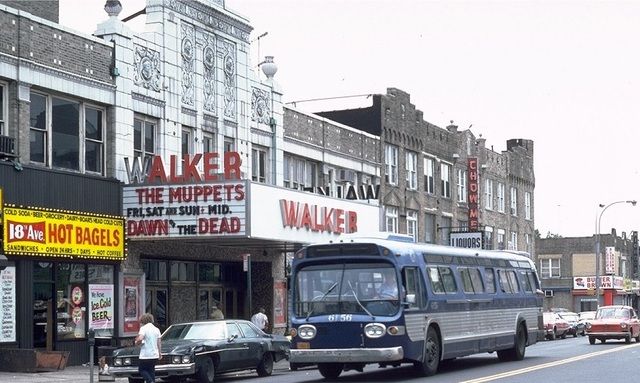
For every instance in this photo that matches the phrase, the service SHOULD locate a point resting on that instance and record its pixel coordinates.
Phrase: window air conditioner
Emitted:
(548, 293)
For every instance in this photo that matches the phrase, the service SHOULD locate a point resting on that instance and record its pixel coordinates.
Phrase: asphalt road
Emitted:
(562, 360)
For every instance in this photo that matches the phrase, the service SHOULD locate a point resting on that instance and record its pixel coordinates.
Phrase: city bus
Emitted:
(448, 303)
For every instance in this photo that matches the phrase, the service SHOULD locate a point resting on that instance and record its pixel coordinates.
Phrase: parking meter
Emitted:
(91, 335)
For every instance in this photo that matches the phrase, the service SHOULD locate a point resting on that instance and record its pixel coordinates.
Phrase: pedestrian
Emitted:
(216, 313)
(260, 319)
(149, 338)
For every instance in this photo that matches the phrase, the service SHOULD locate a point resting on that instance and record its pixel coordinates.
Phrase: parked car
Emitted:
(576, 327)
(204, 349)
(555, 326)
(614, 322)
(586, 317)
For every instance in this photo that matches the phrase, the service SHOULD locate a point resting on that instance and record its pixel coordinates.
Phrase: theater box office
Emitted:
(63, 238)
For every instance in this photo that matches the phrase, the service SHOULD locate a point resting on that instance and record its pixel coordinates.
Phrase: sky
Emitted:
(565, 74)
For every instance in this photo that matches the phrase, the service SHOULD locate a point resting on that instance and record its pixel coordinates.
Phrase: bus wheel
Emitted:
(330, 370)
(519, 347)
(431, 355)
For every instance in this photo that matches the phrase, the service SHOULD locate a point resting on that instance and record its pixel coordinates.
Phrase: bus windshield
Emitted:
(347, 288)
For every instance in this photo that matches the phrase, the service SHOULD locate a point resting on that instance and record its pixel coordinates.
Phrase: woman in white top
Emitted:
(149, 337)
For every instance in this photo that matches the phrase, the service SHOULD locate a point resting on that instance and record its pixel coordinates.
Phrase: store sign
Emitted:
(101, 306)
(192, 210)
(610, 260)
(606, 282)
(8, 304)
(472, 193)
(467, 240)
(302, 215)
(60, 233)
(153, 170)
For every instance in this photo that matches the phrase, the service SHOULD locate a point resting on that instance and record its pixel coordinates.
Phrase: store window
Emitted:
(183, 271)
(71, 301)
(209, 273)
(101, 302)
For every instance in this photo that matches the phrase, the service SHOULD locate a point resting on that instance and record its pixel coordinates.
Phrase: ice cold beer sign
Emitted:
(187, 203)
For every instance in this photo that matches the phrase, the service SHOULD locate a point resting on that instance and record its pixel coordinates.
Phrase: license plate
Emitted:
(303, 345)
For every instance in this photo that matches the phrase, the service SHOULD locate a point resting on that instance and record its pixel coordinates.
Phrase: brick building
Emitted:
(567, 269)
(425, 186)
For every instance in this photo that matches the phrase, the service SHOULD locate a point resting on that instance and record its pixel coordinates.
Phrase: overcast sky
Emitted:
(565, 74)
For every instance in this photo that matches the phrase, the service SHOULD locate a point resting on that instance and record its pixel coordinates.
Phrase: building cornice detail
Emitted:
(212, 18)
(147, 99)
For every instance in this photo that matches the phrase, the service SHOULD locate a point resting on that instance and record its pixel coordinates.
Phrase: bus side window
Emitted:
(490, 280)
(526, 282)
(436, 281)
(414, 287)
(467, 285)
(503, 280)
(448, 280)
(513, 281)
(476, 280)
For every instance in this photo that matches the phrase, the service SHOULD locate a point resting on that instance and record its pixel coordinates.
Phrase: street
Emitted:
(568, 360)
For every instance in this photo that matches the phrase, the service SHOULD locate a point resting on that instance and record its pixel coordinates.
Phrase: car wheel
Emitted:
(430, 355)
(265, 368)
(330, 370)
(207, 371)
(638, 337)
(603, 340)
(517, 352)
(627, 339)
(575, 334)
(564, 335)
(592, 340)
(554, 335)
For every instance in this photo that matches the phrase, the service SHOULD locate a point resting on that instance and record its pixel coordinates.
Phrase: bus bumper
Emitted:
(346, 355)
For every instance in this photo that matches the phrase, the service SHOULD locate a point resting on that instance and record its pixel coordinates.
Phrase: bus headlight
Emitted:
(374, 330)
(307, 332)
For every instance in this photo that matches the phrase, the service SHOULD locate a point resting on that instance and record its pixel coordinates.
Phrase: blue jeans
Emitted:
(147, 369)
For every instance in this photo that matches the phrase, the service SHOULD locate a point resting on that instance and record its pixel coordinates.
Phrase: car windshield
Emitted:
(212, 331)
(613, 313)
(587, 315)
(570, 317)
(369, 289)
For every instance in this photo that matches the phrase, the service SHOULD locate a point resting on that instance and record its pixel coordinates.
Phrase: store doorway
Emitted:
(156, 304)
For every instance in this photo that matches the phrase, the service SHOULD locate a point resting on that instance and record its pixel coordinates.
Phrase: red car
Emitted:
(555, 326)
(614, 322)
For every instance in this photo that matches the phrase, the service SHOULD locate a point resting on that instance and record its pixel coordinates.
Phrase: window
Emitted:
(183, 271)
(154, 270)
(144, 138)
(550, 268)
(508, 281)
(412, 170)
(445, 230)
(445, 180)
(208, 143)
(259, 164)
(187, 139)
(66, 134)
(527, 242)
(429, 171)
(513, 244)
(299, 173)
(38, 131)
(514, 201)
(526, 281)
(471, 280)
(414, 287)
(3, 109)
(412, 224)
(527, 205)
(209, 273)
(391, 164)
(490, 282)
(462, 185)
(71, 297)
(229, 145)
(442, 280)
(101, 279)
(500, 197)
(488, 194)
(500, 239)
(430, 228)
(391, 217)
(488, 237)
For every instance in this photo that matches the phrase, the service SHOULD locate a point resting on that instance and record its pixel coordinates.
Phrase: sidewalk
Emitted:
(81, 374)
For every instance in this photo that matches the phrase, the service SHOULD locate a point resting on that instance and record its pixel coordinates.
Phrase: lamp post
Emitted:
(598, 221)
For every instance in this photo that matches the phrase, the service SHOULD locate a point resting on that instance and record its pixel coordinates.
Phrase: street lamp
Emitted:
(598, 221)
